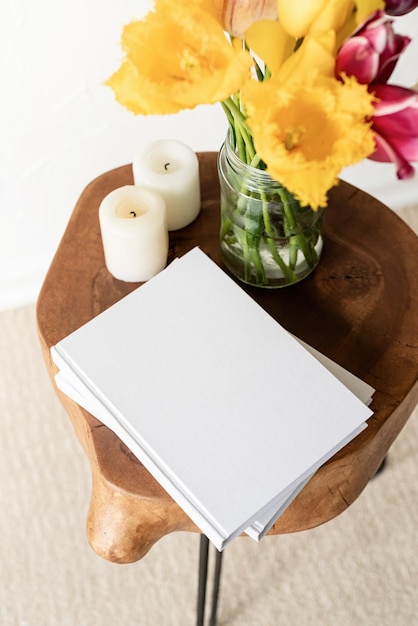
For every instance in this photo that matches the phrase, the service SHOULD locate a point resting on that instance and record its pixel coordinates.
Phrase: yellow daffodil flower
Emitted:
(176, 58)
(307, 131)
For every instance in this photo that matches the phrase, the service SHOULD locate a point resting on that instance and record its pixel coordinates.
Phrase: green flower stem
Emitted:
(296, 237)
(239, 210)
(248, 241)
(252, 238)
(226, 226)
(259, 267)
(290, 228)
(247, 228)
(241, 131)
(246, 250)
(288, 272)
(256, 161)
(228, 114)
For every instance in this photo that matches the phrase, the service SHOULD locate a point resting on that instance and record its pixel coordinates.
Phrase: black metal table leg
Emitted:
(216, 585)
(203, 581)
(380, 468)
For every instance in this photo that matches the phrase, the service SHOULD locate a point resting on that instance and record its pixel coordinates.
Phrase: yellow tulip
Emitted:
(307, 131)
(270, 42)
(302, 17)
(236, 16)
(314, 56)
(364, 8)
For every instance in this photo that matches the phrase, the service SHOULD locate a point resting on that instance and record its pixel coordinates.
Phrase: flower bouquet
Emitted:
(304, 86)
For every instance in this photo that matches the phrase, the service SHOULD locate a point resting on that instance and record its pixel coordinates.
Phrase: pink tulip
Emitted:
(395, 124)
(400, 7)
(372, 52)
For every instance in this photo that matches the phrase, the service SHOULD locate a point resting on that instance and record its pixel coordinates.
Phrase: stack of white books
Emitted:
(229, 412)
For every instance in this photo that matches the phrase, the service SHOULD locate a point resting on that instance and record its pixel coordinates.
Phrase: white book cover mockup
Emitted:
(227, 410)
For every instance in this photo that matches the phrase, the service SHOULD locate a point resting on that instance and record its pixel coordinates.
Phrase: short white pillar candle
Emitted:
(172, 169)
(133, 226)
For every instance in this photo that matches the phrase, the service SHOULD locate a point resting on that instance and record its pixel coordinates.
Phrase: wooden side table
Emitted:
(359, 307)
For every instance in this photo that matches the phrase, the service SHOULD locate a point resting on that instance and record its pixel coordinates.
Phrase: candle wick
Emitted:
(132, 213)
(166, 166)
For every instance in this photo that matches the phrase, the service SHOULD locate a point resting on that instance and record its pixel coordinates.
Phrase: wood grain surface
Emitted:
(359, 307)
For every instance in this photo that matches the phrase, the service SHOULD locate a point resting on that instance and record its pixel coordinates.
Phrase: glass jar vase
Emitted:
(267, 238)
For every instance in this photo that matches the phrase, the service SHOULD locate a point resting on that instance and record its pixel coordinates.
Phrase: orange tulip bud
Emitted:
(237, 15)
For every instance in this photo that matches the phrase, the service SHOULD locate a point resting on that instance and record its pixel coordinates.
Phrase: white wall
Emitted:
(60, 127)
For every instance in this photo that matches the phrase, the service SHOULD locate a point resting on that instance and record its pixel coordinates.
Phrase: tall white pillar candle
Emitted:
(133, 226)
(172, 169)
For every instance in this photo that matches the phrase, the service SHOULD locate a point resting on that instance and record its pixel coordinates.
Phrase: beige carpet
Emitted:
(358, 570)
